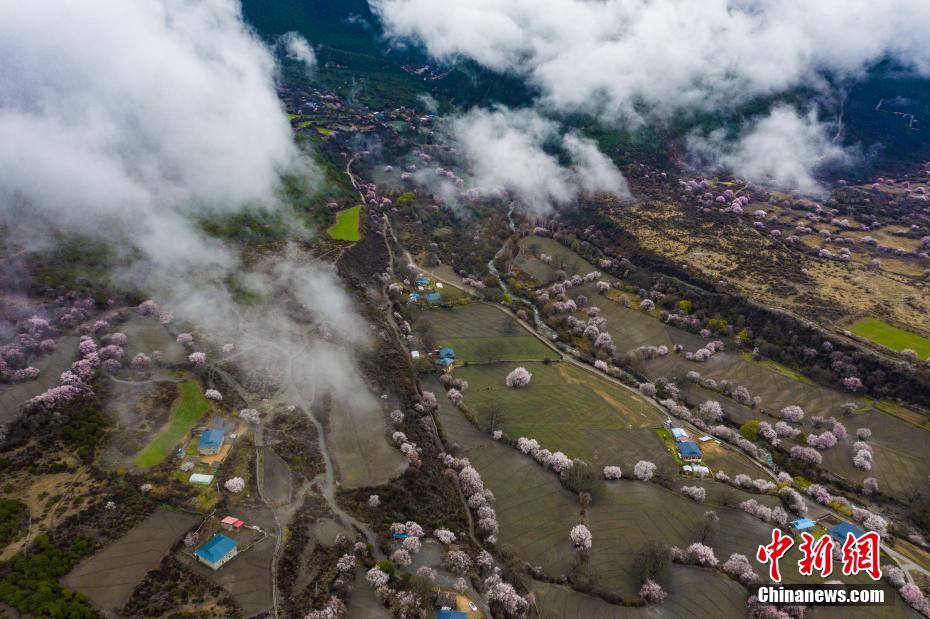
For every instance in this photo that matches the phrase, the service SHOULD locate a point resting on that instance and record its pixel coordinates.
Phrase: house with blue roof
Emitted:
(839, 531)
(217, 551)
(433, 297)
(422, 281)
(689, 451)
(447, 353)
(451, 614)
(210, 442)
(802, 524)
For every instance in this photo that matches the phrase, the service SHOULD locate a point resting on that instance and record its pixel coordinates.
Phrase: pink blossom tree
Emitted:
(377, 578)
(652, 592)
(213, 394)
(580, 536)
(644, 470)
(792, 413)
(519, 378)
(197, 358)
(235, 485)
(612, 472)
(739, 567)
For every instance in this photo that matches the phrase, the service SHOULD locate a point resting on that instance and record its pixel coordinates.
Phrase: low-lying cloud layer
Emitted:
(634, 61)
(505, 148)
(605, 56)
(130, 120)
(783, 149)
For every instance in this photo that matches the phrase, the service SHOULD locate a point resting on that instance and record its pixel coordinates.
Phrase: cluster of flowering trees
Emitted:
(479, 498)
(695, 493)
(559, 462)
(652, 592)
(768, 514)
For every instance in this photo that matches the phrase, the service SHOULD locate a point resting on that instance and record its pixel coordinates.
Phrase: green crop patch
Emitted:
(346, 226)
(186, 412)
(891, 336)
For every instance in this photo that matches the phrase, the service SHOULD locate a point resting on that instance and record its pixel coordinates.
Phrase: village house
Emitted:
(211, 441)
(217, 552)
(689, 452)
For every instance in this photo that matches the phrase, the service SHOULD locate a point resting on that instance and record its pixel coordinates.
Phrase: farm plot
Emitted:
(146, 335)
(109, 577)
(358, 442)
(693, 592)
(187, 410)
(479, 333)
(567, 409)
(346, 226)
(12, 397)
(534, 511)
(891, 336)
(901, 466)
(562, 258)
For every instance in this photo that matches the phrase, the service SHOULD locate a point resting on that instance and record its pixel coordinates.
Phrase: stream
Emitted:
(538, 322)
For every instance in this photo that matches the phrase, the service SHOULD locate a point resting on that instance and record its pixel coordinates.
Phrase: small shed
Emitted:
(217, 551)
(201, 479)
(700, 470)
(439, 285)
(231, 523)
(210, 442)
(689, 452)
(679, 434)
(839, 531)
(802, 524)
(414, 354)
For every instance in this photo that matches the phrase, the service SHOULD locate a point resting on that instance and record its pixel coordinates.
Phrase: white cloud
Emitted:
(129, 120)
(127, 110)
(784, 149)
(505, 148)
(606, 56)
(297, 48)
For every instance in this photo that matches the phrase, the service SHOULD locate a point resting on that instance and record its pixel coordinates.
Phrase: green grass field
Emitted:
(891, 336)
(481, 334)
(346, 226)
(186, 412)
(567, 409)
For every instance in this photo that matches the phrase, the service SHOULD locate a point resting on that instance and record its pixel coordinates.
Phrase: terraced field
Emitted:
(480, 333)
(563, 258)
(899, 467)
(567, 409)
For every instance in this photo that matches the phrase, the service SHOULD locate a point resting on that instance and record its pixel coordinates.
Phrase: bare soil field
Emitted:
(109, 577)
(562, 258)
(479, 333)
(146, 335)
(359, 445)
